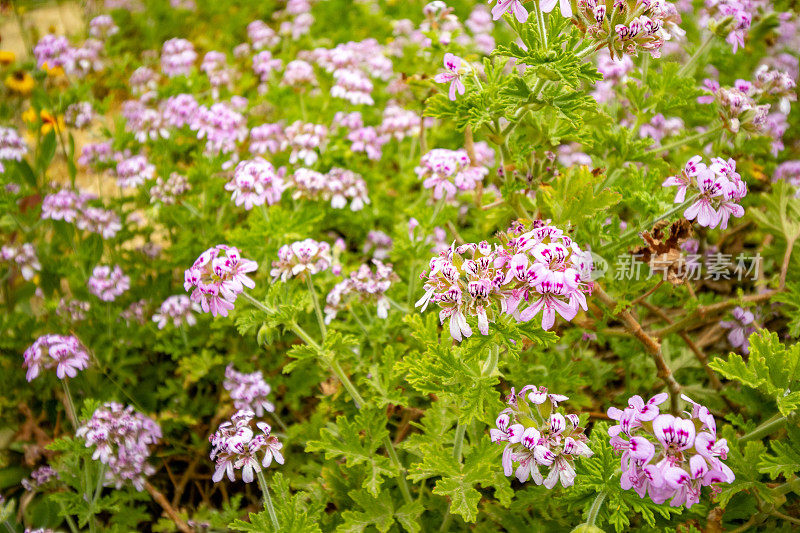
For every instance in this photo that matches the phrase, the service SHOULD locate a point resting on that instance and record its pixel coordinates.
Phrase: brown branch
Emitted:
(650, 344)
(641, 298)
(701, 356)
(699, 316)
(181, 485)
(168, 509)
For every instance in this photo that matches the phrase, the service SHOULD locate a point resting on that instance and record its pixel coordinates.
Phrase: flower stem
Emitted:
(697, 53)
(337, 369)
(401, 478)
(594, 510)
(70, 404)
(317, 308)
(764, 429)
(686, 140)
(262, 482)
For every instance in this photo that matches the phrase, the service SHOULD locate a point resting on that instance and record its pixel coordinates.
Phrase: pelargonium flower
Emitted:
(178, 310)
(93, 154)
(235, 446)
(668, 457)
(365, 284)
(740, 14)
(12, 146)
(264, 65)
(367, 140)
(134, 171)
(447, 171)
(145, 123)
(65, 353)
(24, 257)
(510, 6)
(737, 106)
(298, 72)
(107, 283)
(268, 138)
(177, 57)
(179, 110)
(548, 5)
(255, 182)
(39, 477)
(221, 125)
(718, 187)
(625, 26)
(167, 192)
(54, 51)
(143, 81)
(72, 310)
(300, 258)
(215, 66)
(79, 114)
(740, 328)
(536, 435)
(337, 186)
(64, 205)
(452, 74)
(353, 86)
(399, 123)
(102, 27)
(136, 312)
(305, 139)
(541, 268)
(104, 222)
(262, 36)
(217, 277)
(349, 121)
(248, 391)
(122, 439)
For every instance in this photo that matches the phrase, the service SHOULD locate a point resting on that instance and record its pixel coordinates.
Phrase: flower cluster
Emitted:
(40, 476)
(248, 391)
(740, 328)
(79, 114)
(123, 439)
(108, 283)
(717, 186)
(627, 26)
(24, 257)
(738, 14)
(72, 310)
(65, 353)
(368, 286)
(668, 457)
(305, 138)
(538, 436)
(70, 206)
(178, 310)
(102, 27)
(167, 192)
(301, 257)
(221, 125)
(177, 57)
(12, 146)
(447, 171)
(541, 268)
(338, 186)
(235, 446)
(255, 182)
(353, 86)
(217, 277)
(134, 171)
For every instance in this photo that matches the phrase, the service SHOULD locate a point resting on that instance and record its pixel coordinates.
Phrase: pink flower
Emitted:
(452, 65)
(510, 6)
(548, 5)
(217, 277)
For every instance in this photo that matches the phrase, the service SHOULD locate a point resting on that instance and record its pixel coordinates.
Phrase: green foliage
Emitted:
(771, 368)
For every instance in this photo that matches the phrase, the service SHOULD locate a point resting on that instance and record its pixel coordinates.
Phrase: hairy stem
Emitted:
(594, 510)
(262, 482)
(317, 308)
(685, 141)
(71, 413)
(690, 64)
(766, 428)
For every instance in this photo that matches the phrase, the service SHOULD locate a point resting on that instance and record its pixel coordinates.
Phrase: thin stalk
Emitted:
(789, 486)
(631, 234)
(101, 476)
(540, 24)
(337, 369)
(401, 478)
(697, 53)
(764, 429)
(594, 510)
(70, 404)
(683, 142)
(317, 308)
(262, 482)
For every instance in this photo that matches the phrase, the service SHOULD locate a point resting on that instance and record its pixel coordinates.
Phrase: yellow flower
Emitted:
(20, 82)
(53, 72)
(48, 121)
(7, 57)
